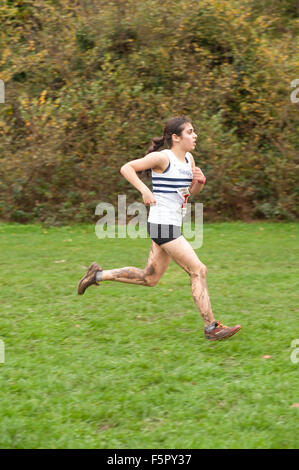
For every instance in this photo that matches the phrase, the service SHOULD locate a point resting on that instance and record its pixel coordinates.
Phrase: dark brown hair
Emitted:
(174, 125)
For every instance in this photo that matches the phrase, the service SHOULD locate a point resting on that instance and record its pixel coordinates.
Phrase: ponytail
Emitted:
(156, 144)
(174, 125)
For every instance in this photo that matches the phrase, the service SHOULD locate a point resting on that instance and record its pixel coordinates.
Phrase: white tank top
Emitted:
(165, 185)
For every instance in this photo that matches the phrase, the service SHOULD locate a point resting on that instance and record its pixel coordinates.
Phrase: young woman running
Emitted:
(174, 176)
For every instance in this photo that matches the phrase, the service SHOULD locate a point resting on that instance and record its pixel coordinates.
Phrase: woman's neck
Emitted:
(179, 153)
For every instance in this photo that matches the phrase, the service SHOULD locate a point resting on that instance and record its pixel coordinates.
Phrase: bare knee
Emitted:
(150, 276)
(204, 270)
(199, 269)
(151, 282)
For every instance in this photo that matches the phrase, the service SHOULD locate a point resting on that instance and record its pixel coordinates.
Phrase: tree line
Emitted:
(88, 84)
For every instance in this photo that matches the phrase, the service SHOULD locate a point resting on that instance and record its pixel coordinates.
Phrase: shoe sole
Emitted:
(225, 337)
(90, 269)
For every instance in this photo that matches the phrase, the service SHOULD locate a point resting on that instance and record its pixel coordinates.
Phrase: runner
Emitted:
(174, 177)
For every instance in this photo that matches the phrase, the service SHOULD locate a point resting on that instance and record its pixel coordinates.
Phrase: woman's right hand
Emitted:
(148, 197)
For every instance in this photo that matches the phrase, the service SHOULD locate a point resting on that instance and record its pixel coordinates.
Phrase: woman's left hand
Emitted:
(198, 176)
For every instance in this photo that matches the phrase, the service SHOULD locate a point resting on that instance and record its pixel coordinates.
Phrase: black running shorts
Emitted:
(161, 233)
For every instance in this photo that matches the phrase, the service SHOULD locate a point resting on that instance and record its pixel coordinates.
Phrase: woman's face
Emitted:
(187, 139)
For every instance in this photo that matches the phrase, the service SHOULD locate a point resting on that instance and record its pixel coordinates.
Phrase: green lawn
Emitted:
(127, 366)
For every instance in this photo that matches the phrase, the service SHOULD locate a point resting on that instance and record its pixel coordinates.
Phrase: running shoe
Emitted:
(90, 278)
(216, 331)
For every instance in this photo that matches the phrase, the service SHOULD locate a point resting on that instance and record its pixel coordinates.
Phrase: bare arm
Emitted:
(198, 179)
(154, 160)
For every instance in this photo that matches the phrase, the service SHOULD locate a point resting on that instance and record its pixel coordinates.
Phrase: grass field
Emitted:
(127, 366)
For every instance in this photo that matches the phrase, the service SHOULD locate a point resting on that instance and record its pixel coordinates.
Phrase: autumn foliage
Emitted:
(89, 83)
